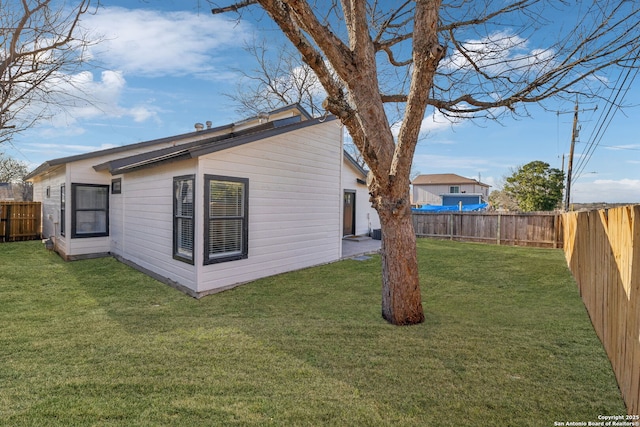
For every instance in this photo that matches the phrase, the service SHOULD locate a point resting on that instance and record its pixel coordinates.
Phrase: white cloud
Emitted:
(622, 147)
(141, 113)
(156, 43)
(437, 121)
(606, 190)
(499, 52)
(61, 132)
(434, 122)
(81, 96)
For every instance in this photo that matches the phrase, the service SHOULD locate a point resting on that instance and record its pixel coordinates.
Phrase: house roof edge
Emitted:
(203, 147)
(47, 165)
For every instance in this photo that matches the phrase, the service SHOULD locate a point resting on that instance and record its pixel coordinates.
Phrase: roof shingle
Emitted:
(445, 179)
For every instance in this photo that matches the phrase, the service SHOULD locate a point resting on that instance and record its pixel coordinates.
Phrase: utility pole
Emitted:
(574, 136)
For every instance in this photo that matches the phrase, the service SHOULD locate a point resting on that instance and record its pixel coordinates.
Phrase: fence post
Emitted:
(2, 221)
(556, 230)
(7, 229)
(498, 229)
(450, 226)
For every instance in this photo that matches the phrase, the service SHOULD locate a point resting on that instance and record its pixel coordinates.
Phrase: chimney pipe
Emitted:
(208, 123)
(198, 126)
(263, 117)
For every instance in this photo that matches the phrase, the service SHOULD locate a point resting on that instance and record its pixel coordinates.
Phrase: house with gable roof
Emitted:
(448, 189)
(211, 209)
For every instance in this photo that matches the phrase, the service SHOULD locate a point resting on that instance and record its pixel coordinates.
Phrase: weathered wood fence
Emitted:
(539, 229)
(603, 252)
(20, 221)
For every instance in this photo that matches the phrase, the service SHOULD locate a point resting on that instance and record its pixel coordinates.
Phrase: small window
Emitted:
(454, 189)
(183, 217)
(116, 186)
(89, 210)
(63, 209)
(47, 192)
(226, 219)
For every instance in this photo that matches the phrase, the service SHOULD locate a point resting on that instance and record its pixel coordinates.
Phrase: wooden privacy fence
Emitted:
(20, 221)
(539, 229)
(603, 252)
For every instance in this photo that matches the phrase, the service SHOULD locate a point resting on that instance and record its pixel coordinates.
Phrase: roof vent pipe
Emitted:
(198, 126)
(208, 123)
(263, 117)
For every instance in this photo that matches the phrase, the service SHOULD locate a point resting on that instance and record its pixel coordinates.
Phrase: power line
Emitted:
(606, 117)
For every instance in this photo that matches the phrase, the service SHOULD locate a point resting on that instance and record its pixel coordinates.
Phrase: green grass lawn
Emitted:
(506, 342)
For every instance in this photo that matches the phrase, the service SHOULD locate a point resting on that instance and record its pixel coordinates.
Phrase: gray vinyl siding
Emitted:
(51, 205)
(144, 232)
(294, 203)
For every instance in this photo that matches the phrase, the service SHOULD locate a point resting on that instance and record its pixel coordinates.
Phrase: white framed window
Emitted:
(226, 219)
(89, 210)
(454, 189)
(183, 218)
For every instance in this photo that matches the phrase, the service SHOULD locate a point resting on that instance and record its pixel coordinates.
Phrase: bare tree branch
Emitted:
(278, 79)
(233, 8)
(37, 45)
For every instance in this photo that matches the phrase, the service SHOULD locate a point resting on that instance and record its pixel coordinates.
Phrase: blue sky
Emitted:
(159, 71)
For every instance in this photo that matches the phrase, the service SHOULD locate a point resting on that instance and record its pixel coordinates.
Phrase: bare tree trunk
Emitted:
(401, 299)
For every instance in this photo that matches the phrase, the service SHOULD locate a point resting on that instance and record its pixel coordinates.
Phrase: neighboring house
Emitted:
(15, 191)
(448, 189)
(6, 191)
(207, 210)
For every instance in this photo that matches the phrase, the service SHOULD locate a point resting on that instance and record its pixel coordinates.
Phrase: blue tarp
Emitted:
(453, 208)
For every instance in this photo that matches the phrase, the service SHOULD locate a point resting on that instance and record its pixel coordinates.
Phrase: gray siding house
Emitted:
(448, 189)
(211, 209)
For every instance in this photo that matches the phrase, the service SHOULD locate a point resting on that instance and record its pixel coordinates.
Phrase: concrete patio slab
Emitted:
(359, 245)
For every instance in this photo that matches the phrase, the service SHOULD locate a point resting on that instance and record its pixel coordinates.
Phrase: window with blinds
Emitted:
(226, 222)
(183, 218)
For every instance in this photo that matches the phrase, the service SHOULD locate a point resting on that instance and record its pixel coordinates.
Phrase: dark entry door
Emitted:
(349, 220)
